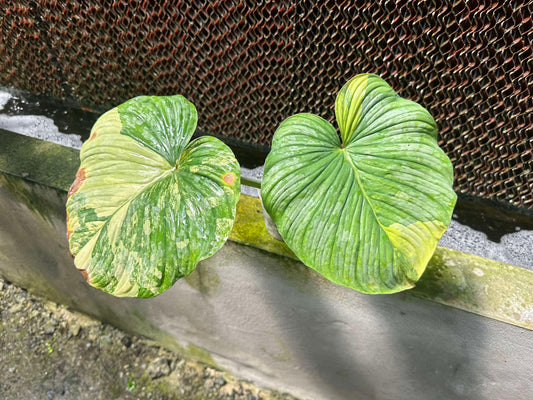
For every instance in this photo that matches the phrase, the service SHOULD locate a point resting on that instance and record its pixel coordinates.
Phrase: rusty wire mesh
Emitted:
(249, 65)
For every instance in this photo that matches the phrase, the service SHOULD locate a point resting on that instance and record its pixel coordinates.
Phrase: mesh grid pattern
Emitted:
(249, 65)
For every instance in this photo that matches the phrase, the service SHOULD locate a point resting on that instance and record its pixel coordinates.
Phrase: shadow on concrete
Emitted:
(437, 349)
(375, 347)
(320, 341)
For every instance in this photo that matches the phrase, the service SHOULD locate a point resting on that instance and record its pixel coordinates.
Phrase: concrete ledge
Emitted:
(259, 313)
(471, 283)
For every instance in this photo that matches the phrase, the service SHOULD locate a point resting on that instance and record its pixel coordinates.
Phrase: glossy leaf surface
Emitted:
(365, 209)
(147, 205)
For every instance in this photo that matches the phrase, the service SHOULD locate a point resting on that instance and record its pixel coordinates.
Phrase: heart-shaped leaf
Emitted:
(367, 209)
(147, 205)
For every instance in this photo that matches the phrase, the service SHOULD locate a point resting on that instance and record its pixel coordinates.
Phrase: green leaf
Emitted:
(366, 212)
(147, 205)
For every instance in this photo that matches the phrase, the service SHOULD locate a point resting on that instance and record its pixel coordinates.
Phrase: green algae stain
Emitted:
(479, 285)
(282, 353)
(44, 162)
(205, 280)
(137, 323)
(202, 355)
(42, 200)
(250, 229)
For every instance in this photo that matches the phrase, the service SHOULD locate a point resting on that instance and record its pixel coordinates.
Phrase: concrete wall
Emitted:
(268, 318)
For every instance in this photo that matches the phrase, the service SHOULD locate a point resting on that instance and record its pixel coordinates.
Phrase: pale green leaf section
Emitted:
(349, 106)
(367, 213)
(116, 169)
(173, 115)
(146, 206)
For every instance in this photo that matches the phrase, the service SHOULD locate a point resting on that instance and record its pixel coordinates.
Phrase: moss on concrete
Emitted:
(199, 354)
(250, 229)
(43, 200)
(479, 285)
(138, 324)
(39, 161)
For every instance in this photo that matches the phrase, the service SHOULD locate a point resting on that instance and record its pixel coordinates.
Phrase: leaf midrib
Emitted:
(357, 177)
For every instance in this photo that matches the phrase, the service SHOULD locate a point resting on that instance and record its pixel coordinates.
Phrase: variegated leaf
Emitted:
(147, 205)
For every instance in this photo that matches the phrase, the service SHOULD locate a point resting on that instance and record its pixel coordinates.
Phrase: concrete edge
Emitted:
(486, 287)
(471, 283)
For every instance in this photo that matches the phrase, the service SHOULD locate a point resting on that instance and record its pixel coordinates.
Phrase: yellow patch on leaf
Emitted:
(416, 241)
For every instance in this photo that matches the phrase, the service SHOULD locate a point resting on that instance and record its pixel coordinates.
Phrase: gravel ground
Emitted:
(50, 352)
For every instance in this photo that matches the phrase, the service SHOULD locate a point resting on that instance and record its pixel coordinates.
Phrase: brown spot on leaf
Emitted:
(85, 274)
(93, 135)
(80, 177)
(229, 178)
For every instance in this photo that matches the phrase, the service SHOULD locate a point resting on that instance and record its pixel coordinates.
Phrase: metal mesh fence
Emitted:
(249, 65)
